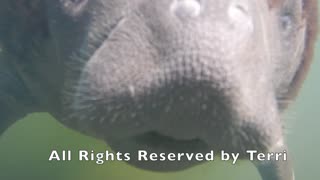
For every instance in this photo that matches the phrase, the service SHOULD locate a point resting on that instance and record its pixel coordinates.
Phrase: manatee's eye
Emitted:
(74, 7)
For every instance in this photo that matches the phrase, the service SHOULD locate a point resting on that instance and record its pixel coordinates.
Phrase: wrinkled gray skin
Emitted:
(165, 76)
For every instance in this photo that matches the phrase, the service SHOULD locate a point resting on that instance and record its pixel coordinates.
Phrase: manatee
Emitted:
(164, 76)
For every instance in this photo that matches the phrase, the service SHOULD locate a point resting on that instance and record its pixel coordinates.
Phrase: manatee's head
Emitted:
(179, 75)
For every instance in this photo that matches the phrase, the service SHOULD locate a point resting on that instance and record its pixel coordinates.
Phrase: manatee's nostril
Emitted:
(238, 9)
(186, 8)
(240, 16)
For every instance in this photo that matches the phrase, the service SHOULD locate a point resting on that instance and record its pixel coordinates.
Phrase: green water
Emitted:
(25, 148)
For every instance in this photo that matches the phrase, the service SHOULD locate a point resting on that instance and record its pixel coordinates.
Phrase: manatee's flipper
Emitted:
(276, 170)
(7, 114)
(15, 100)
(18, 32)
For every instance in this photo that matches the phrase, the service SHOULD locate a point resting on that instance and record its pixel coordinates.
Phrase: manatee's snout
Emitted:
(187, 80)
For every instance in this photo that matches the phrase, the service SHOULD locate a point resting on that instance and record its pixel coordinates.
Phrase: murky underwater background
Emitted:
(26, 146)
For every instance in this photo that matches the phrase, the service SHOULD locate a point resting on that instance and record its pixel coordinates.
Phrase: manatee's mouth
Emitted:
(155, 140)
(161, 146)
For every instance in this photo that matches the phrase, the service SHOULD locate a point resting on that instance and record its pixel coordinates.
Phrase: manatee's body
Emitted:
(160, 75)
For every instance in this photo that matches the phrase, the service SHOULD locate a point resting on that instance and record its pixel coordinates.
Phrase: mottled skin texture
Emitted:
(165, 76)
